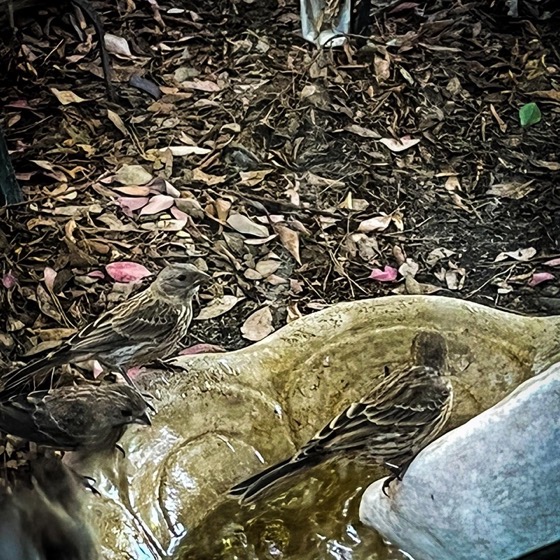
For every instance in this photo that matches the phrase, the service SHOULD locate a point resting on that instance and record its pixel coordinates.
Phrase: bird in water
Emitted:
(145, 328)
(402, 414)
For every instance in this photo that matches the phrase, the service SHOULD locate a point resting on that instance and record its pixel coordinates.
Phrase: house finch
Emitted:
(146, 327)
(404, 412)
(44, 519)
(83, 418)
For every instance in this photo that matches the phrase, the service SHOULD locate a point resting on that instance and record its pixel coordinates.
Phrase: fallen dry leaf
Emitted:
(258, 325)
(126, 271)
(222, 208)
(512, 190)
(267, 267)
(521, 255)
(553, 262)
(438, 254)
(409, 269)
(455, 278)
(131, 203)
(157, 204)
(289, 239)
(49, 276)
(245, 225)
(400, 145)
(210, 180)
(133, 190)
(67, 97)
(186, 150)
(118, 46)
(133, 175)
(388, 274)
(218, 306)
(252, 178)
(9, 280)
(117, 121)
(539, 278)
(379, 223)
(361, 131)
(202, 348)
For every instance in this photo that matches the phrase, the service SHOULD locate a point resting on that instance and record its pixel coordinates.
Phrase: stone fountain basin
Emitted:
(218, 414)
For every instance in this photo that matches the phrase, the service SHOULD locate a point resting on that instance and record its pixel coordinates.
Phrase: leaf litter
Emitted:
(297, 177)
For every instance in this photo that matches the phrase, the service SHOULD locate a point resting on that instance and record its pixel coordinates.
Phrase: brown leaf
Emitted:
(252, 178)
(258, 325)
(218, 306)
(245, 225)
(400, 145)
(133, 175)
(379, 223)
(514, 190)
(290, 240)
(210, 180)
(117, 121)
(67, 97)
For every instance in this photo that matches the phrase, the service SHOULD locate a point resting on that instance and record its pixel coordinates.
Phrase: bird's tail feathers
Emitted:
(248, 490)
(12, 382)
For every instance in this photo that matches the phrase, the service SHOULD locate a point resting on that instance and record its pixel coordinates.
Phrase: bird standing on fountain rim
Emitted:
(140, 330)
(405, 411)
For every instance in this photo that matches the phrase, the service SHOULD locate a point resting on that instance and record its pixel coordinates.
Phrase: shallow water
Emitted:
(314, 519)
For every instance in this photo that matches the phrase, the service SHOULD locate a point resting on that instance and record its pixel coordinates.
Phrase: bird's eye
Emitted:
(182, 277)
(126, 413)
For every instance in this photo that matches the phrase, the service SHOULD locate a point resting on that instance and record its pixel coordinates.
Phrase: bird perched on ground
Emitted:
(83, 418)
(404, 412)
(45, 519)
(145, 328)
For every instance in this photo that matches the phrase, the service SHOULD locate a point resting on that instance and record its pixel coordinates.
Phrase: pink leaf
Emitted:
(49, 275)
(125, 271)
(157, 204)
(129, 203)
(97, 369)
(388, 274)
(9, 280)
(553, 262)
(201, 349)
(539, 278)
(96, 274)
(179, 214)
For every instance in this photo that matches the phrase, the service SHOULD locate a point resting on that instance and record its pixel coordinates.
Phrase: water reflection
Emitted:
(315, 519)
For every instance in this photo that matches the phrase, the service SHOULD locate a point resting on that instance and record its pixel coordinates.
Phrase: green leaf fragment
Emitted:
(529, 114)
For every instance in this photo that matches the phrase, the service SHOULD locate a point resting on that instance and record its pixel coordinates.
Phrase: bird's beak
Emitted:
(144, 420)
(201, 278)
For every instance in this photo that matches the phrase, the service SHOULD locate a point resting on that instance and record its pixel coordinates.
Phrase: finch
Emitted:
(84, 418)
(44, 519)
(145, 328)
(405, 411)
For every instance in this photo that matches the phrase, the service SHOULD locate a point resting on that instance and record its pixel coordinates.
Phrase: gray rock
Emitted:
(489, 489)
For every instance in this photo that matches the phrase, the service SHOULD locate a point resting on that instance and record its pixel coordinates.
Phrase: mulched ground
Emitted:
(287, 136)
(293, 175)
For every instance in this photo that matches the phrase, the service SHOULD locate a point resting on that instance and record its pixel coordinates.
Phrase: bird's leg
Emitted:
(162, 364)
(148, 403)
(88, 482)
(397, 473)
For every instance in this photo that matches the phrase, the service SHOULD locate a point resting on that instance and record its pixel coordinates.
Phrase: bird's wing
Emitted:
(24, 417)
(398, 407)
(140, 319)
